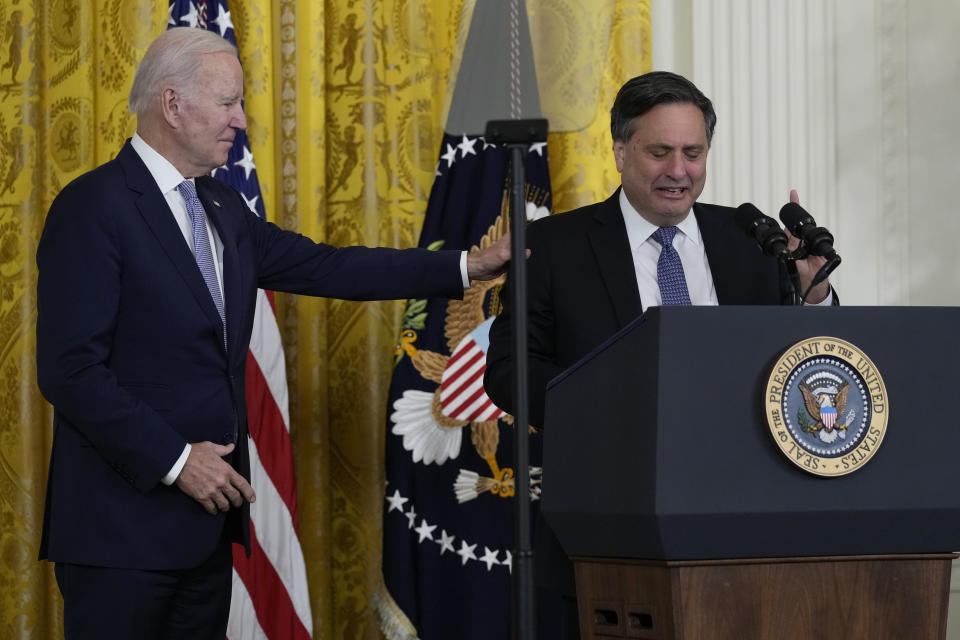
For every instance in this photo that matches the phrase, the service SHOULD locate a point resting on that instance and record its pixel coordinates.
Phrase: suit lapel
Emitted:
(156, 213)
(721, 251)
(608, 237)
(219, 218)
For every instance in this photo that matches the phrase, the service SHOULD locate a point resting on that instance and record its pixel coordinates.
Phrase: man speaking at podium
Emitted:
(593, 270)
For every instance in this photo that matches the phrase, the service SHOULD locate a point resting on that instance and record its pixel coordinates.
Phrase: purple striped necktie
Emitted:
(201, 248)
(670, 278)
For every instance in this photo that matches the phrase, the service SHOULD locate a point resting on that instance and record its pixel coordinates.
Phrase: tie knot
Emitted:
(187, 190)
(665, 235)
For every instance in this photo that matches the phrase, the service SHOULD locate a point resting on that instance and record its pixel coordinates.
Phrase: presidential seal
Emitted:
(826, 406)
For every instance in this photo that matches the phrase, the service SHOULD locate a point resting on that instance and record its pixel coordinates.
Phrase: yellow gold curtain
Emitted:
(65, 72)
(345, 102)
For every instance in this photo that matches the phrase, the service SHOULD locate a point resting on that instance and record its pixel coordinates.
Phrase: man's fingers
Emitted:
(233, 490)
(221, 449)
(233, 495)
(794, 196)
(489, 263)
(792, 242)
(221, 501)
(242, 489)
(209, 480)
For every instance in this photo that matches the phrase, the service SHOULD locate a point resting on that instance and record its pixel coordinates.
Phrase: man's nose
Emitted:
(239, 119)
(677, 168)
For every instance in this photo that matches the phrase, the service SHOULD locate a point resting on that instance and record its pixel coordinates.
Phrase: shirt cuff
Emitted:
(826, 302)
(463, 270)
(177, 467)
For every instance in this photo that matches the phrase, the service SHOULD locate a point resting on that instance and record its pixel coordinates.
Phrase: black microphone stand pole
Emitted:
(517, 136)
(790, 263)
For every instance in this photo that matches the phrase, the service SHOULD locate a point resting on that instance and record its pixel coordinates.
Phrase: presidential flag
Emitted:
(448, 530)
(270, 598)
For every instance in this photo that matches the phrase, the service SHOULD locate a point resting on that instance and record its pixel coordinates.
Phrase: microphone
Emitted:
(819, 241)
(763, 229)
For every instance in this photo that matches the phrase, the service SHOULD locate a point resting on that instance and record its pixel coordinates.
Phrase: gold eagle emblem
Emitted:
(826, 406)
(430, 430)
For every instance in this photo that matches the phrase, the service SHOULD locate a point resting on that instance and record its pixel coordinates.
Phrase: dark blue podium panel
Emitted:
(656, 444)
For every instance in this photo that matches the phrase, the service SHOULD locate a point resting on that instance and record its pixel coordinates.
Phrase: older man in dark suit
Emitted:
(148, 272)
(593, 270)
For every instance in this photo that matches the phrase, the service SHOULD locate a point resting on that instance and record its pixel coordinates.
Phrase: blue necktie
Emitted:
(673, 285)
(201, 248)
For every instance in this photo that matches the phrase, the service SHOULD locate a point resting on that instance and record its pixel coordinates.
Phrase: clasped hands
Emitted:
(210, 480)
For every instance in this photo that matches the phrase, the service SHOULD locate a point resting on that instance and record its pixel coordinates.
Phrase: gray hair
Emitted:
(641, 94)
(174, 56)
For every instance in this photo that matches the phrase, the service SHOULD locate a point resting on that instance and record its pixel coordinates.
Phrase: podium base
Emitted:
(842, 598)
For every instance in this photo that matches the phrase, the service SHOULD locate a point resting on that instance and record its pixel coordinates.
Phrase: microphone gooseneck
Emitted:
(816, 240)
(763, 229)
(772, 241)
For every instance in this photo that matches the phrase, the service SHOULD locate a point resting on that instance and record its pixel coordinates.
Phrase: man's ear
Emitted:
(619, 149)
(170, 104)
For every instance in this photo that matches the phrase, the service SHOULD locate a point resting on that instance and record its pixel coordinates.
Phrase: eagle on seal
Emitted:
(825, 407)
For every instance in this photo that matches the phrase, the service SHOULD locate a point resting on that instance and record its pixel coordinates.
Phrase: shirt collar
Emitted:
(164, 173)
(639, 229)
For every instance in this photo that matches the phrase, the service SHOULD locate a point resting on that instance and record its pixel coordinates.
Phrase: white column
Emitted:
(768, 67)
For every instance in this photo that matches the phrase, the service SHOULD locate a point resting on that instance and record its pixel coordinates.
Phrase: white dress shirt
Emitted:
(693, 256)
(646, 253)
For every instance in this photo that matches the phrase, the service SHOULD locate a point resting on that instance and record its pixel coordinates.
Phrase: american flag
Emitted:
(462, 396)
(270, 597)
(448, 516)
(447, 529)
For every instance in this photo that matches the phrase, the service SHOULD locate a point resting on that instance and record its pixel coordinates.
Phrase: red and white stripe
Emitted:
(828, 415)
(270, 596)
(461, 386)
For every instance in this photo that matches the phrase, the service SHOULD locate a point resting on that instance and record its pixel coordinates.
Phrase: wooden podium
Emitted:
(836, 598)
(685, 521)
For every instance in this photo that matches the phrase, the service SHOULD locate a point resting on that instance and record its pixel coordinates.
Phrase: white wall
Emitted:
(854, 103)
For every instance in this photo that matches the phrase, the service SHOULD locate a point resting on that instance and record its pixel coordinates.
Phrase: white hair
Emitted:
(174, 56)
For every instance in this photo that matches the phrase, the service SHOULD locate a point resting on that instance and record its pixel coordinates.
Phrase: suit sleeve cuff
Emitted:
(826, 302)
(177, 467)
(463, 270)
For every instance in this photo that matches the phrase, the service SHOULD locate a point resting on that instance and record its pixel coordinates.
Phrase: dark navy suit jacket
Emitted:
(130, 353)
(582, 288)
